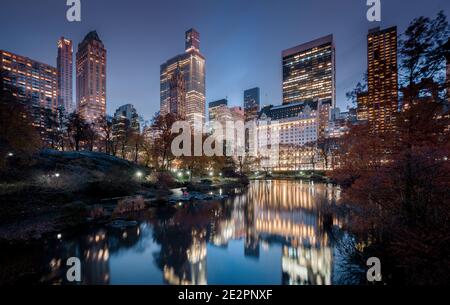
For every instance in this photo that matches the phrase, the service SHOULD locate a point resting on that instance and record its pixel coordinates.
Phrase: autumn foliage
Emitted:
(398, 184)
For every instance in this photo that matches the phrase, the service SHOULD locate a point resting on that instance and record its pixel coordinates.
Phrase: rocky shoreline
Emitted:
(38, 218)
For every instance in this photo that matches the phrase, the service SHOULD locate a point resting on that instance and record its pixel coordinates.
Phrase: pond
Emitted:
(272, 232)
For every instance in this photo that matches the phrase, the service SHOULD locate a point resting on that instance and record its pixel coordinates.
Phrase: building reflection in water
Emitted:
(270, 211)
(287, 213)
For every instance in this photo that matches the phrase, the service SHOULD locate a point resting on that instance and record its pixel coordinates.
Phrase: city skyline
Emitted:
(229, 73)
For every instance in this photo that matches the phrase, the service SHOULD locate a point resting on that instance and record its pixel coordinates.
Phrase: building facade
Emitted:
(191, 66)
(33, 83)
(177, 93)
(297, 124)
(252, 103)
(231, 120)
(64, 65)
(295, 135)
(217, 107)
(129, 113)
(91, 77)
(362, 101)
(309, 72)
(382, 75)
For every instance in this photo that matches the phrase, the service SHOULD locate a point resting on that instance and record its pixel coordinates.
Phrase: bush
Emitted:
(162, 180)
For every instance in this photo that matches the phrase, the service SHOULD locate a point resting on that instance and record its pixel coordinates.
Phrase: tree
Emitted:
(196, 165)
(90, 134)
(360, 87)
(17, 134)
(245, 164)
(76, 130)
(326, 148)
(423, 49)
(136, 141)
(163, 141)
(105, 127)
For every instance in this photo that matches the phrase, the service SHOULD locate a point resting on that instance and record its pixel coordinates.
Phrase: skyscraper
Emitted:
(382, 74)
(91, 77)
(64, 65)
(251, 103)
(125, 119)
(309, 72)
(35, 81)
(362, 100)
(191, 65)
(35, 84)
(177, 93)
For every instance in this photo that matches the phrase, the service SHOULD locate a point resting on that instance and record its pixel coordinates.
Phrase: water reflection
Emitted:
(271, 233)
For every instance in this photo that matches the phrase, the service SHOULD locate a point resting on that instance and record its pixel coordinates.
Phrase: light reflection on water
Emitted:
(271, 233)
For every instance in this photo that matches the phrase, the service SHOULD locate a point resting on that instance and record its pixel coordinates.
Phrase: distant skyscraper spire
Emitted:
(192, 39)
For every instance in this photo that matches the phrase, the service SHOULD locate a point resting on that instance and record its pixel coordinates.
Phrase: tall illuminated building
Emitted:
(64, 65)
(362, 101)
(309, 72)
(252, 103)
(91, 77)
(191, 66)
(33, 83)
(177, 93)
(382, 74)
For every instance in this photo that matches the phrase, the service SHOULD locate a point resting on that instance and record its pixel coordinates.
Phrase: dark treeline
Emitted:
(397, 183)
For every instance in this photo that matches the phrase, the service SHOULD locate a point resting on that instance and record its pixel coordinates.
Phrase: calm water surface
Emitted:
(270, 233)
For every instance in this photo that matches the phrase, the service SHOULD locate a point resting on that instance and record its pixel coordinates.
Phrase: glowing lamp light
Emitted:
(10, 154)
(57, 175)
(211, 174)
(139, 174)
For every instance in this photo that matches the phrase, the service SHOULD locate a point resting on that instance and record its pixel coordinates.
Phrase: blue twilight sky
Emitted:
(241, 39)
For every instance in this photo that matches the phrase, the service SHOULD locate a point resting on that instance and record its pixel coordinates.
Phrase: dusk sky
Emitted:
(242, 40)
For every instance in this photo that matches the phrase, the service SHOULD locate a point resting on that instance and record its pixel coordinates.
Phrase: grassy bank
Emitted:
(56, 190)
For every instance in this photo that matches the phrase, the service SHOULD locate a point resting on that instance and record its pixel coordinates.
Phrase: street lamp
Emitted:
(10, 154)
(139, 174)
(57, 175)
(211, 174)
